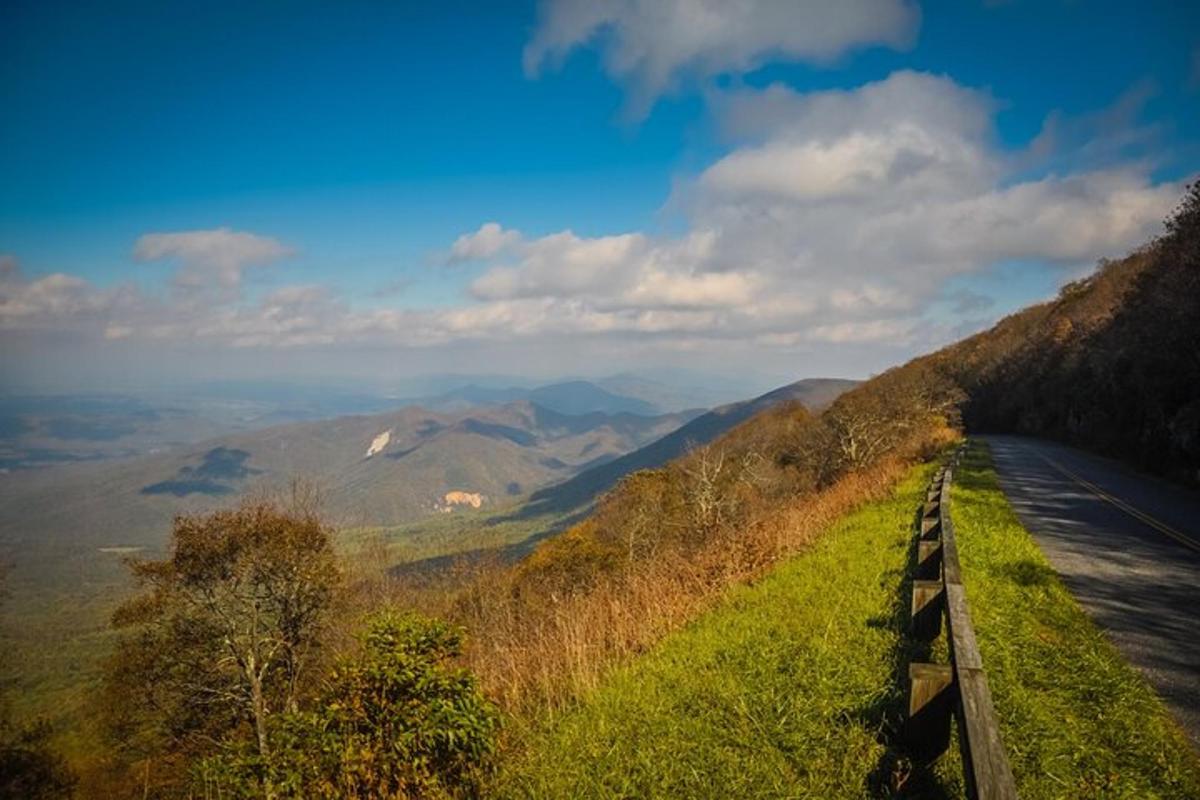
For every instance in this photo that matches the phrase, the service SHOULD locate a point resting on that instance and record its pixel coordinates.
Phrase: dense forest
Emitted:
(1112, 364)
(253, 663)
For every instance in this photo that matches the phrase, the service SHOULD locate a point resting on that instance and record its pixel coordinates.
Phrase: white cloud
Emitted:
(488, 242)
(51, 302)
(900, 183)
(212, 261)
(654, 44)
(836, 217)
(565, 265)
(835, 220)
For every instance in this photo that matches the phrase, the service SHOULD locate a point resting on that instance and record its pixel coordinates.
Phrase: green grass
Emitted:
(1076, 719)
(793, 687)
(788, 689)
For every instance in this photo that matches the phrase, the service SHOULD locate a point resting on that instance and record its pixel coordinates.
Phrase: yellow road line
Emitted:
(1142, 516)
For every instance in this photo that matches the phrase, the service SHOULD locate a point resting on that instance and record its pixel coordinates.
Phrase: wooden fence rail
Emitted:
(959, 689)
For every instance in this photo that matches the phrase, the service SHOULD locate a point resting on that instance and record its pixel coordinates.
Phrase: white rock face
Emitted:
(378, 443)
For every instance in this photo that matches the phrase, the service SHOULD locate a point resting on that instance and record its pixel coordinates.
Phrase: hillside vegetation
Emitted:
(787, 688)
(1112, 364)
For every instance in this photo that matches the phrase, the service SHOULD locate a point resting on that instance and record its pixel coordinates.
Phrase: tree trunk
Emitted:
(260, 715)
(260, 726)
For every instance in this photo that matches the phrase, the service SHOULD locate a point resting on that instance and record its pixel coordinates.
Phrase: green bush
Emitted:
(399, 720)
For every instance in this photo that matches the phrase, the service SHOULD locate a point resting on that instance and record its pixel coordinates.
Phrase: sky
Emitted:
(364, 191)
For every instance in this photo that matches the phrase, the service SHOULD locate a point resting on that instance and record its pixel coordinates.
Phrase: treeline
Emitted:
(1113, 364)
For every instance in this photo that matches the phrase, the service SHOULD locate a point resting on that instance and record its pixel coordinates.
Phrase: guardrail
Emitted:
(959, 689)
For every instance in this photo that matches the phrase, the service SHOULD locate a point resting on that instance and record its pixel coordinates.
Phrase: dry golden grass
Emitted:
(535, 652)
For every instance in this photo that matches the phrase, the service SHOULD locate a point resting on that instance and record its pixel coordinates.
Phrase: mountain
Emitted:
(38, 431)
(570, 397)
(813, 393)
(675, 392)
(375, 470)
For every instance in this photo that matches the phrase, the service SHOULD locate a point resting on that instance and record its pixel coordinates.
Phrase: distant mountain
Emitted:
(675, 395)
(571, 397)
(814, 393)
(374, 470)
(38, 431)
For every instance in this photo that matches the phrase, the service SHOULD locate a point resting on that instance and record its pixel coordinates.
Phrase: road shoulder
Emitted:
(1076, 718)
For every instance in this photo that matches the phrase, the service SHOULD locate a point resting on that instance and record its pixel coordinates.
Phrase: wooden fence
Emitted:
(959, 689)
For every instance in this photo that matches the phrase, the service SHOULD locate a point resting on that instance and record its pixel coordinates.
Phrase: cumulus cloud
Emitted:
(212, 261)
(901, 180)
(488, 242)
(627, 271)
(652, 45)
(836, 218)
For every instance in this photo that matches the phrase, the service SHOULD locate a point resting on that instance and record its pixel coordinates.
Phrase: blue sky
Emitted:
(343, 148)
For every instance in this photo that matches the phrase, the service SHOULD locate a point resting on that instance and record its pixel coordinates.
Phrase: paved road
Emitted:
(1128, 548)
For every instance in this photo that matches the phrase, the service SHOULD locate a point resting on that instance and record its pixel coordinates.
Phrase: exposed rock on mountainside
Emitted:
(378, 443)
(457, 498)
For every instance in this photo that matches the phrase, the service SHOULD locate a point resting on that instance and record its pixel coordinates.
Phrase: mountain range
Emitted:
(813, 393)
(373, 470)
(38, 431)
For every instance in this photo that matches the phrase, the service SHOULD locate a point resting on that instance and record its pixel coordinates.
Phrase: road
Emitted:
(1128, 548)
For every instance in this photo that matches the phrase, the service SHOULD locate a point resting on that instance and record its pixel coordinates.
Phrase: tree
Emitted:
(222, 636)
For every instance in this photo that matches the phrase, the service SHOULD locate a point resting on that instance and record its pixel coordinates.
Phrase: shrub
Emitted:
(398, 720)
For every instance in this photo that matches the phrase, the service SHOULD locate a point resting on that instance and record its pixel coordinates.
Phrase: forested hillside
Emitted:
(1112, 364)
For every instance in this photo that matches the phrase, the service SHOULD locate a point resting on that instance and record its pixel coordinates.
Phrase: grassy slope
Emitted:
(792, 687)
(785, 690)
(1076, 719)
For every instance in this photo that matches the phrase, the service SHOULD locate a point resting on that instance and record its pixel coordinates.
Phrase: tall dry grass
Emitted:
(536, 652)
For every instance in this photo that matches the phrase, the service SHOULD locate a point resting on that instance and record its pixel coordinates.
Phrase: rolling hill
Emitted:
(374, 470)
(813, 393)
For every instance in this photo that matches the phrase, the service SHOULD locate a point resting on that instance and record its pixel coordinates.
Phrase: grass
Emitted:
(788, 688)
(793, 686)
(1076, 719)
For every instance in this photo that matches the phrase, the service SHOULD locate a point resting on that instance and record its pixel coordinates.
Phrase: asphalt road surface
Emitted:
(1128, 548)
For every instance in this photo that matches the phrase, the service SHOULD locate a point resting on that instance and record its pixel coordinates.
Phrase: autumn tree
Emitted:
(223, 632)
